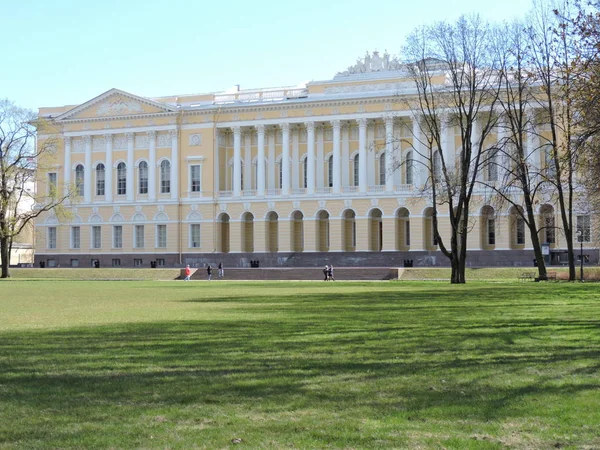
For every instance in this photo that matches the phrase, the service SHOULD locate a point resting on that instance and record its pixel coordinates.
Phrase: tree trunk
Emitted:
(5, 256)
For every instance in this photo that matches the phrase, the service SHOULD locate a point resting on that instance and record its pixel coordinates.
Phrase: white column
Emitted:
(532, 151)
(217, 165)
(389, 151)
(237, 161)
(271, 164)
(108, 172)
(295, 157)
(320, 157)
(260, 161)
(152, 166)
(285, 158)
(337, 170)
(371, 166)
(503, 157)
(310, 158)
(345, 155)
(129, 183)
(247, 161)
(87, 173)
(419, 170)
(174, 164)
(448, 143)
(67, 172)
(475, 149)
(362, 155)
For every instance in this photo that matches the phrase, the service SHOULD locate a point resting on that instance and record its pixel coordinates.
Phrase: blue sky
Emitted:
(66, 51)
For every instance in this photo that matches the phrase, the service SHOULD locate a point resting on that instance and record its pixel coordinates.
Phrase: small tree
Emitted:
(20, 159)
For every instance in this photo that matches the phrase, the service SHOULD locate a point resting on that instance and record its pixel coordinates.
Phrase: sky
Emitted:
(65, 52)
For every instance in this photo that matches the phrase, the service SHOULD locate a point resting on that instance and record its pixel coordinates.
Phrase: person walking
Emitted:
(221, 271)
(209, 272)
(330, 273)
(188, 272)
(325, 273)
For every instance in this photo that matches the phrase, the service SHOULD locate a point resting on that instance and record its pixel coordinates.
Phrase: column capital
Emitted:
(237, 130)
(173, 134)
(388, 119)
(67, 140)
(260, 128)
(151, 135)
(87, 139)
(362, 122)
(285, 127)
(130, 137)
(108, 137)
(310, 126)
(336, 124)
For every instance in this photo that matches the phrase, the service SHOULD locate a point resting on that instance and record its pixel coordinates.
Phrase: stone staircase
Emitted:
(300, 273)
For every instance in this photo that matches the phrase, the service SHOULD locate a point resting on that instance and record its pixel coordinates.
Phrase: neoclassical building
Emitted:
(328, 171)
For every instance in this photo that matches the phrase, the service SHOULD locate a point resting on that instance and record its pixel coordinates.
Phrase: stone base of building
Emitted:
(475, 258)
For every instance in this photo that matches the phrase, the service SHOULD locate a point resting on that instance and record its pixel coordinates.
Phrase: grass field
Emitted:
(166, 364)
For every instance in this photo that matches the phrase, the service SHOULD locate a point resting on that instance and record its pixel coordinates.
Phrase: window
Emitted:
(75, 237)
(409, 168)
(100, 179)
(74, 263)
(330, 170)
(137, 262)
(382, 173)
(160, 262)
(520, 230)
(355, 169)
(116, 262)
(550, 230)
(121, 179)
(195, 235)
(51, 237)
(195, 178)
(51, 262)
(143, 177)
(407, 233)
(280, 173)
(79, 180)
(138, 236)
(492, 167)
(52, 181)
(165, 177)
(242, 176)
(584, 225)
(161, 236)
(117, 236)
(491, 231)
(96, 237)
(305, 173)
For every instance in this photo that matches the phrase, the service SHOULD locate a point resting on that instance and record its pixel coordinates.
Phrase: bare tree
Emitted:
(454, 72)
(20, 158)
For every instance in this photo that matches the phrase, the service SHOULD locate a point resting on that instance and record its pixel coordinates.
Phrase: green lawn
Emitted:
(169, 364)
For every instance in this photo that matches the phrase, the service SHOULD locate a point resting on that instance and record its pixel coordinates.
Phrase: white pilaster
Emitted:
(260, 161)
(389, 151)
(337, 170)
(475, 138)
(448, 143)
(174, 164)
(152, 166)
(370, 155)
(362, 155)
(129, 186)
(109, 170)
(285, 158)
(247, 161)
(67, 172)
(533, 151)
(295, 158)
(237, 161)
(419, 170)
(271, 164)
(310, 158)
(87, 171)
(345, 155)
(320, 181)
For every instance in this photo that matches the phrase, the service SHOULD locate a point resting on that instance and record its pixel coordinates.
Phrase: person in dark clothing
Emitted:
(326, 273)
(330, 273)
(209, 272)
(221, 270)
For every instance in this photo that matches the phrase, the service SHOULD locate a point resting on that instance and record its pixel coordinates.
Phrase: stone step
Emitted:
(301, 273)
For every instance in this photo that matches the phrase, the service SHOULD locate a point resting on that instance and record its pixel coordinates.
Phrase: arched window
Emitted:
(79, 179)
(165, 177)
(121, 179)
(409, 168)
(382, 173)
(143, 177)
(330, 171)
(356, 164)
(100, 179)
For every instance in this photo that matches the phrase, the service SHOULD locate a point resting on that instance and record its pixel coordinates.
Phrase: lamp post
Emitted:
(580, 238)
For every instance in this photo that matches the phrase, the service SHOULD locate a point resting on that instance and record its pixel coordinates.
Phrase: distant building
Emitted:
(287, 176)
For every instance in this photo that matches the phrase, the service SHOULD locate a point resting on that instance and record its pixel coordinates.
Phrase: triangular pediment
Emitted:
(115, 103)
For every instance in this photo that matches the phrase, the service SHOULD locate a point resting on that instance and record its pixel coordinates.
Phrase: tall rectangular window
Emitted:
(100, 179)
(121, 179)
(491, 231)
(75, 237)
(138, 236)
(584, 225)
(96, 236)
(550, 234)
(52, 181)
(117, 236)
(407, 231)
(520, 231)
(161, 236)
(195, 178)
(51, 237)
(195, 235)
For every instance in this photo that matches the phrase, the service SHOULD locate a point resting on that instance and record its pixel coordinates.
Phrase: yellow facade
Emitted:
(254, 174)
